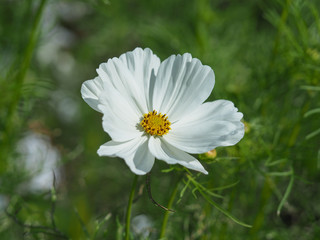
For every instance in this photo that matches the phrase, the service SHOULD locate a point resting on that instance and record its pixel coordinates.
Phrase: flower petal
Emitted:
(120, 119)
(117, 78)
(135, 152)
(162, 150)
(212, 125)
(90, 91)
(132, 75)
(182, 84)
(143, 65)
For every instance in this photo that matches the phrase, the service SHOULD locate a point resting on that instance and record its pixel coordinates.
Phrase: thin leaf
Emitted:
(199, 186)
(83, 226)
(313, 134)
(225, 187)
(194, 192)
(184, 188)
(225, 212)
(99, 224)
(276, 162)
(286, 194)
(167, 170)
(280, 174)
(120, 227)
(310, 88)
(311, 112)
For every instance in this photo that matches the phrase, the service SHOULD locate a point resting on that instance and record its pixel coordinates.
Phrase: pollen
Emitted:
(155, 124)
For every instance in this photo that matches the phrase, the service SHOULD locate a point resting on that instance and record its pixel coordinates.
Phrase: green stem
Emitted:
(284, 17)
(26, 61)
(18, 81)
(128, 216)
(166, 214)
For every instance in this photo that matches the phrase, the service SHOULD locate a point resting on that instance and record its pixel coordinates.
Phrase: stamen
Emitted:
(155, 124)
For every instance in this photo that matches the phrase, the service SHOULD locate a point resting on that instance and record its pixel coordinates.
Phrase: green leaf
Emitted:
(276, 162)
(311, 112)
(83, 226)
(311, 88)
(287, 193)
(199, 187)
(225, 187)
(100, 223)
(313, 134)
(225, 212)
(280, 174)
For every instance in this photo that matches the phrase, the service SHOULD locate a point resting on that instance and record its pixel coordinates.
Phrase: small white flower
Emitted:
(157, 110)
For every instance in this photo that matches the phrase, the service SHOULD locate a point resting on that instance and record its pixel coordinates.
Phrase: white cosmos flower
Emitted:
(154, 109)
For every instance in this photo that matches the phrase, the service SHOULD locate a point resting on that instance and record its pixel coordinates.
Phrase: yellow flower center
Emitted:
(155, 124)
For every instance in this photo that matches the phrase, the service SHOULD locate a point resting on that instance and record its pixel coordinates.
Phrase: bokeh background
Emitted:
(266, 58)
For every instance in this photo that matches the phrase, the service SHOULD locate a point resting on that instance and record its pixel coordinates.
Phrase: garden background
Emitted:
(266, 58)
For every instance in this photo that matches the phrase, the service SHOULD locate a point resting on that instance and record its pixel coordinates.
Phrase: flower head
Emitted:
(154, 109)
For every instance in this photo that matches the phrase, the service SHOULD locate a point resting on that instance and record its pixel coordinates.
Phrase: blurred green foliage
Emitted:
(266, 57)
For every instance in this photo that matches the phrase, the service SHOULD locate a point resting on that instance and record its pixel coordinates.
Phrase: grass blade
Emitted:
(287, 193)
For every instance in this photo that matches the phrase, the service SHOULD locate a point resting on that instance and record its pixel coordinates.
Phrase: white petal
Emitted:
(212, 125)
(143, 65)
(142, 161)
(135, 153)
(121, 92)
(162, 150)
(132, 75)
(113, 148)
(182, 84)
(117, 77)
(120, 119)
(90, 91)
